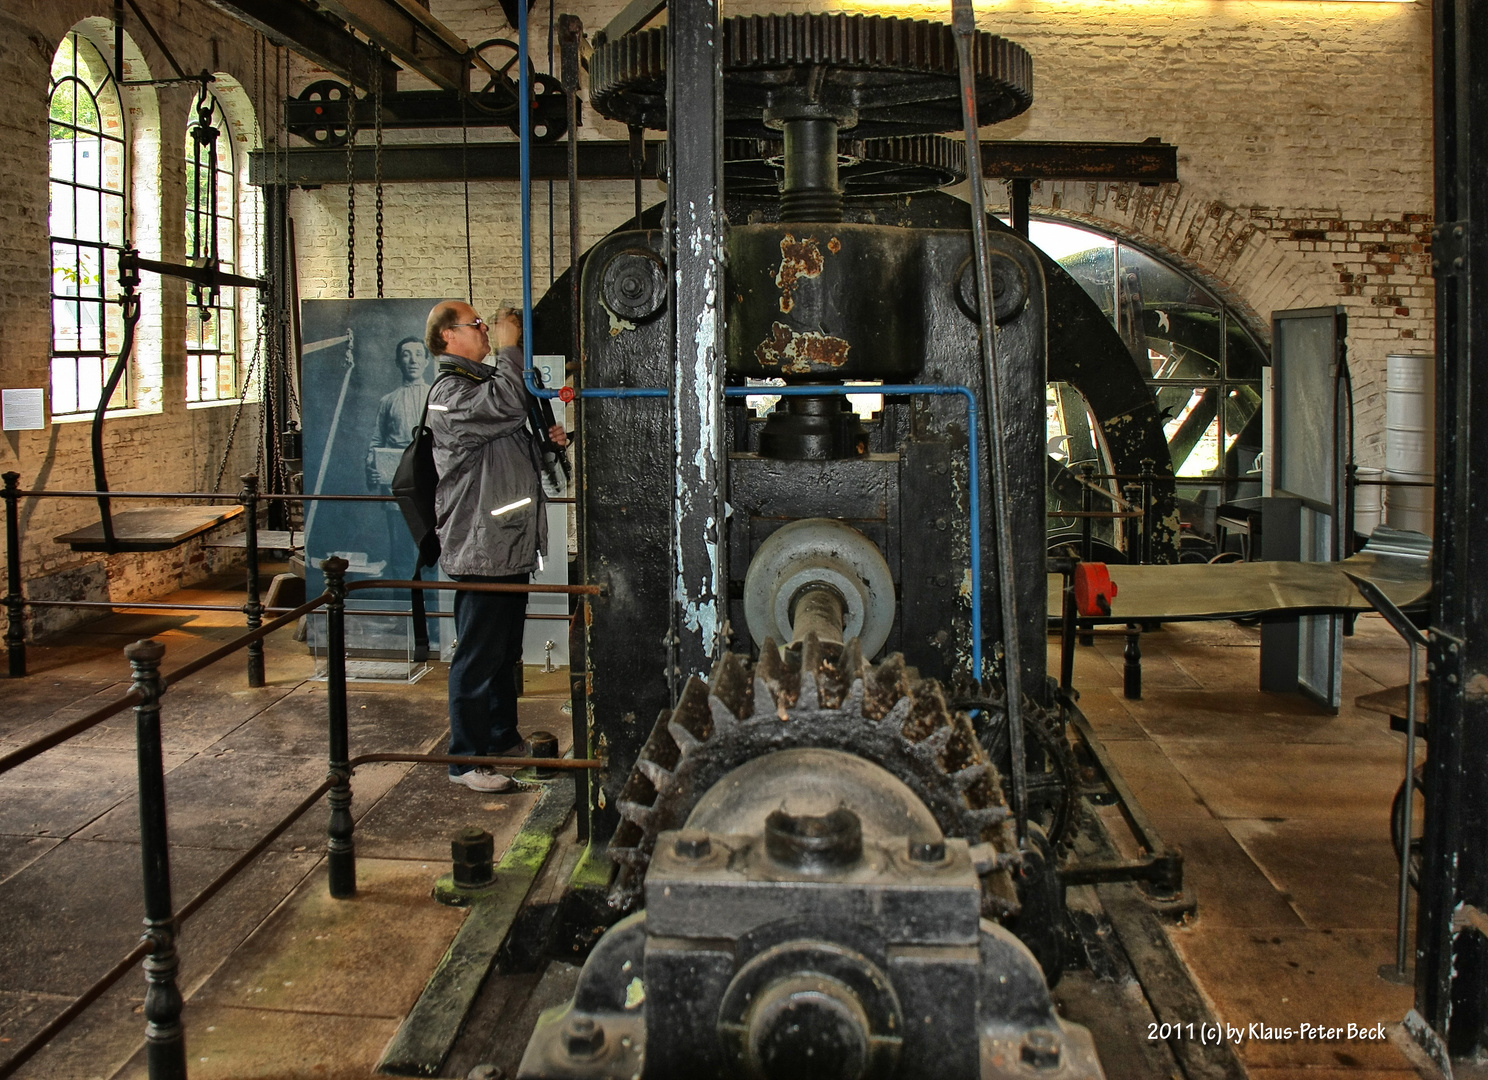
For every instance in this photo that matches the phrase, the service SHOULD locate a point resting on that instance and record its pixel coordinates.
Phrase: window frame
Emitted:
(108, 107)
(223, 307)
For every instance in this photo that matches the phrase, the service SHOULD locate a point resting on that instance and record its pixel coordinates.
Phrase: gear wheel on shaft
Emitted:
(821, 696)
(893, 76)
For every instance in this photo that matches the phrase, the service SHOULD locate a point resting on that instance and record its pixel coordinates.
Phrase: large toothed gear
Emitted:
(821, 696)
(892, 76)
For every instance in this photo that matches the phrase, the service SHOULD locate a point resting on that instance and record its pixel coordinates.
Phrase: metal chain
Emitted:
(377, 158)
(351, 191)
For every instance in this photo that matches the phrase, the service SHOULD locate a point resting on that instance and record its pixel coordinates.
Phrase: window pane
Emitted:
(64, 385)
(193, 377)
(64, 326)
(89, 154)
(1167, 320)
(89, 383)
(1243, 358)
(1088, 257)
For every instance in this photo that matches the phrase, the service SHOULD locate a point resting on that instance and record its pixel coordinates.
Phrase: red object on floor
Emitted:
(1094, 589)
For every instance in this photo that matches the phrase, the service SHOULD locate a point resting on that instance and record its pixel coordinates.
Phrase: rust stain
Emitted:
(800, 354)
(798, 259)
(834, 245)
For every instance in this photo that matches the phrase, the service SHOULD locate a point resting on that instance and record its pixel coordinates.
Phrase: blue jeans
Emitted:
(482, 675)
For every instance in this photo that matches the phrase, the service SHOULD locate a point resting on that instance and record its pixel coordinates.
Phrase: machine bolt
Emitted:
(1452, 648)
(692, 845)
(583, 1037)
(473, 851)
(927, 850)
(1041, 1049)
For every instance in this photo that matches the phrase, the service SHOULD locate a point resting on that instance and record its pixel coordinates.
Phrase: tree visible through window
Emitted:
(87, 199)
(211, 196)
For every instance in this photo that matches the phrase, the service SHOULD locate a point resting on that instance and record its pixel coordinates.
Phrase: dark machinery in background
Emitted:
(815, 848)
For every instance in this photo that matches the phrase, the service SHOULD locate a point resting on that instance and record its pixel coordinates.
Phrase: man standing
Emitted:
(492, 524)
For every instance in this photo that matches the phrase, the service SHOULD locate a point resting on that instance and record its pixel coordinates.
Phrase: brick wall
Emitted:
(161, 445)
(1304, 133)
(1304, 136)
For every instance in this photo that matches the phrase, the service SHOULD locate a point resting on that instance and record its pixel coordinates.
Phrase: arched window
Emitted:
(212, 352)
(1202, 364)
(89, 184)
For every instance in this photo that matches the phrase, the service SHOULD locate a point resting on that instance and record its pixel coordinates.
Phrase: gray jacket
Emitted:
(489, 504)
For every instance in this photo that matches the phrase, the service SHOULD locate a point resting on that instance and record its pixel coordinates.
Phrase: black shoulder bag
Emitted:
(414, 484)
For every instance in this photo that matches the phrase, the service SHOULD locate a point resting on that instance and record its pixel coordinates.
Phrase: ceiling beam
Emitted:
(407, 30)
(602, 159)
(317, 37)
(1150, 162)
(449, 163)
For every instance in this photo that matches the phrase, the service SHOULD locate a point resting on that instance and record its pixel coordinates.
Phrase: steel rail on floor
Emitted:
(164, 1034)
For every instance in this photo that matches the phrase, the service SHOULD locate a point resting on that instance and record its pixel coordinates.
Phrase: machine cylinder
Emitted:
(810, 191)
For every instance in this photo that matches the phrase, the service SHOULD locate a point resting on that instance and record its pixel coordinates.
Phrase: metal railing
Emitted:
(254, 610)
(164, 1033)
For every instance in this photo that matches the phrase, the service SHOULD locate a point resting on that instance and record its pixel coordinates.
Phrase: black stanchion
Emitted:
(340, 850)
(1132, 671)
(1149, 484)
(578, 698)
(1133, 495)
(254, 607)
(165, 1040)
(1087, 534)
(15, 633)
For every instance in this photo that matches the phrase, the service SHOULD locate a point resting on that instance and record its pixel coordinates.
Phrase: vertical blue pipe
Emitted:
(524, 131)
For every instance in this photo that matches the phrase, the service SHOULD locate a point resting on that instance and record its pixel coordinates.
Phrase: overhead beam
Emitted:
(632, 17)
(448, 163)
(407, 30)
(318, 38)
(1150, 162)
(605, 159)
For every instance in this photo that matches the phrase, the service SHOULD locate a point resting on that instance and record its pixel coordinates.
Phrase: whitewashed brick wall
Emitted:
(1304, 135)
(163, 445)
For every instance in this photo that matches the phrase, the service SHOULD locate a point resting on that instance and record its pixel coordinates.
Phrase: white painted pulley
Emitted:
(819, 551)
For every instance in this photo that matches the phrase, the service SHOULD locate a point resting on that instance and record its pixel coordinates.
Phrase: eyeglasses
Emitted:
(479, 324)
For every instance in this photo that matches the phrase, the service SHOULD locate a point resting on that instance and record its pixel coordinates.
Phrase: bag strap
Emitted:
(420, 618)
(417, 610)
(424, 416)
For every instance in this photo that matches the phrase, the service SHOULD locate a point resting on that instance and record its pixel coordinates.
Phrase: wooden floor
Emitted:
(1282, 812)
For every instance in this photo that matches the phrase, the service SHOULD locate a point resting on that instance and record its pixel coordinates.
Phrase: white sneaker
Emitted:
(483, 779)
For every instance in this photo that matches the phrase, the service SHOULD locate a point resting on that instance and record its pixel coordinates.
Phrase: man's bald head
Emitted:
(446, 315)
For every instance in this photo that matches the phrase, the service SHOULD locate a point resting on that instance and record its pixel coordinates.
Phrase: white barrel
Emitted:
(1410, 439)
(1369, 500)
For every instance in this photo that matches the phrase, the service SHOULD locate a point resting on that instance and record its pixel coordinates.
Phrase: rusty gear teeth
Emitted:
(819, 695)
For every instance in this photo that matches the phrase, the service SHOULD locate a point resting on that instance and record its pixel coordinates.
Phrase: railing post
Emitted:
(165, 1042)
(340, 850)
(1149, 483)
(1131, 683)
(254, 607)
(1133, 495)
(1087, 533)
(15, 609)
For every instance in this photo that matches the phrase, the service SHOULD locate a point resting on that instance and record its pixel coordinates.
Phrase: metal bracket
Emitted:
(1444, 657)
(1449, 245)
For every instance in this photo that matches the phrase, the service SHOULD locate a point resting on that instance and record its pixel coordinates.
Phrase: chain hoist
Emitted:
(377, 158)
(351, 133)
